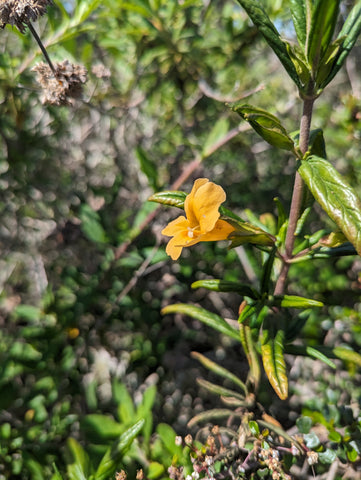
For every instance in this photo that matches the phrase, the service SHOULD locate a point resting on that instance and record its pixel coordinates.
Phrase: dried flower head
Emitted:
(21, 12)
(63, 85)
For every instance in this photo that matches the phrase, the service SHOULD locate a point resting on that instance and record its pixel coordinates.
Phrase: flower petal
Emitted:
(221, 231)
(206, 203)
(189, 202)
(176, 226)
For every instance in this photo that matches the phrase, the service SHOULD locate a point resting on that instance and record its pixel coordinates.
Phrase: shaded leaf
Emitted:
(148, 167)
(335, 196)
(226, 286)
(218, 370)
(213, 414)
(219, 390)
(265, 124)
(218, 131)
(211, 319)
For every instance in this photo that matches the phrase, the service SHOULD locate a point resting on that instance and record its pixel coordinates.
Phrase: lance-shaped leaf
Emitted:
(347, 355)
(272, 349)
(217, 285)
(79, 468)
(260, 18)
(211, 319)
(218, 370)
(312, 352)
(298, 12)
(292, 301)
(249, 348)
(348, 35)
(219, 390)
(335, 196)
(266, 125)
(171, 198)
(212, 414)
(111, 459)
(323, 20)
(247, 233)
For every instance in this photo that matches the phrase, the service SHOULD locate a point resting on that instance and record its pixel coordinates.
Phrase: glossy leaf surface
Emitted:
(266, 125)
(217, 285)
(272, 349)
(335, 196)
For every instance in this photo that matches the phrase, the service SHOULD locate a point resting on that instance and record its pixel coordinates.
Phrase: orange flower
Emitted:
(202, 224)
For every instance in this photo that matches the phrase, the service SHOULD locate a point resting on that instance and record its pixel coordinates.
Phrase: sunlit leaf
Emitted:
(335, 196)
(272, 348)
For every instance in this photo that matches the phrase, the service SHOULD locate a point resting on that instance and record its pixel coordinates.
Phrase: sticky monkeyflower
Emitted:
(202, 222)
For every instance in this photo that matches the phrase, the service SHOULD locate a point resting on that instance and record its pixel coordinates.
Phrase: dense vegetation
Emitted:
(94, 379)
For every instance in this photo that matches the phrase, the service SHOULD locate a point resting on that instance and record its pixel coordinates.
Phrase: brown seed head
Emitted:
(63, 86)
(21, 12)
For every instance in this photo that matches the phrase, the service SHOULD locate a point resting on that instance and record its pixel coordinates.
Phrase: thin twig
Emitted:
(42, 48)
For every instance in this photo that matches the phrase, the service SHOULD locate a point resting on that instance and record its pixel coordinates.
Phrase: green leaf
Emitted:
(312, 352)
(211, 319)
(292, 301)
(24, 352)
(247, 233)
(271, 35)
(28, 312)
(91, 225)
(328, 456)
(217, 133)
(219, 390)
(110, 461)
(323, 22)
(250, 350)
(227, 286)
(265, 124)
(253, 426)
(57, 475)
(335, 196)
(311, 440)
(171, 198)
(218, 370)
(79, 468)
(298, 12)
(168, 435)
(347, 355)
(304, 424)
(126, 410)
(101, 427)
(349, 33)
(148, 167)
(155, 470)
(210, 415)
(272, 348)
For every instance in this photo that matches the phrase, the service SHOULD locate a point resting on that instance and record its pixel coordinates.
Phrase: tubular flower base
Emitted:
(202, 223)
(21, 12)
(64, 86)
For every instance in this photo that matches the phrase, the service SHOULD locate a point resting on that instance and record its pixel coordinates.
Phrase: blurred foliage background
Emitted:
(83, 269)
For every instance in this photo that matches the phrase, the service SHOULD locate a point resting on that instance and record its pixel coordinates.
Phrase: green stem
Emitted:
(297, 195)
